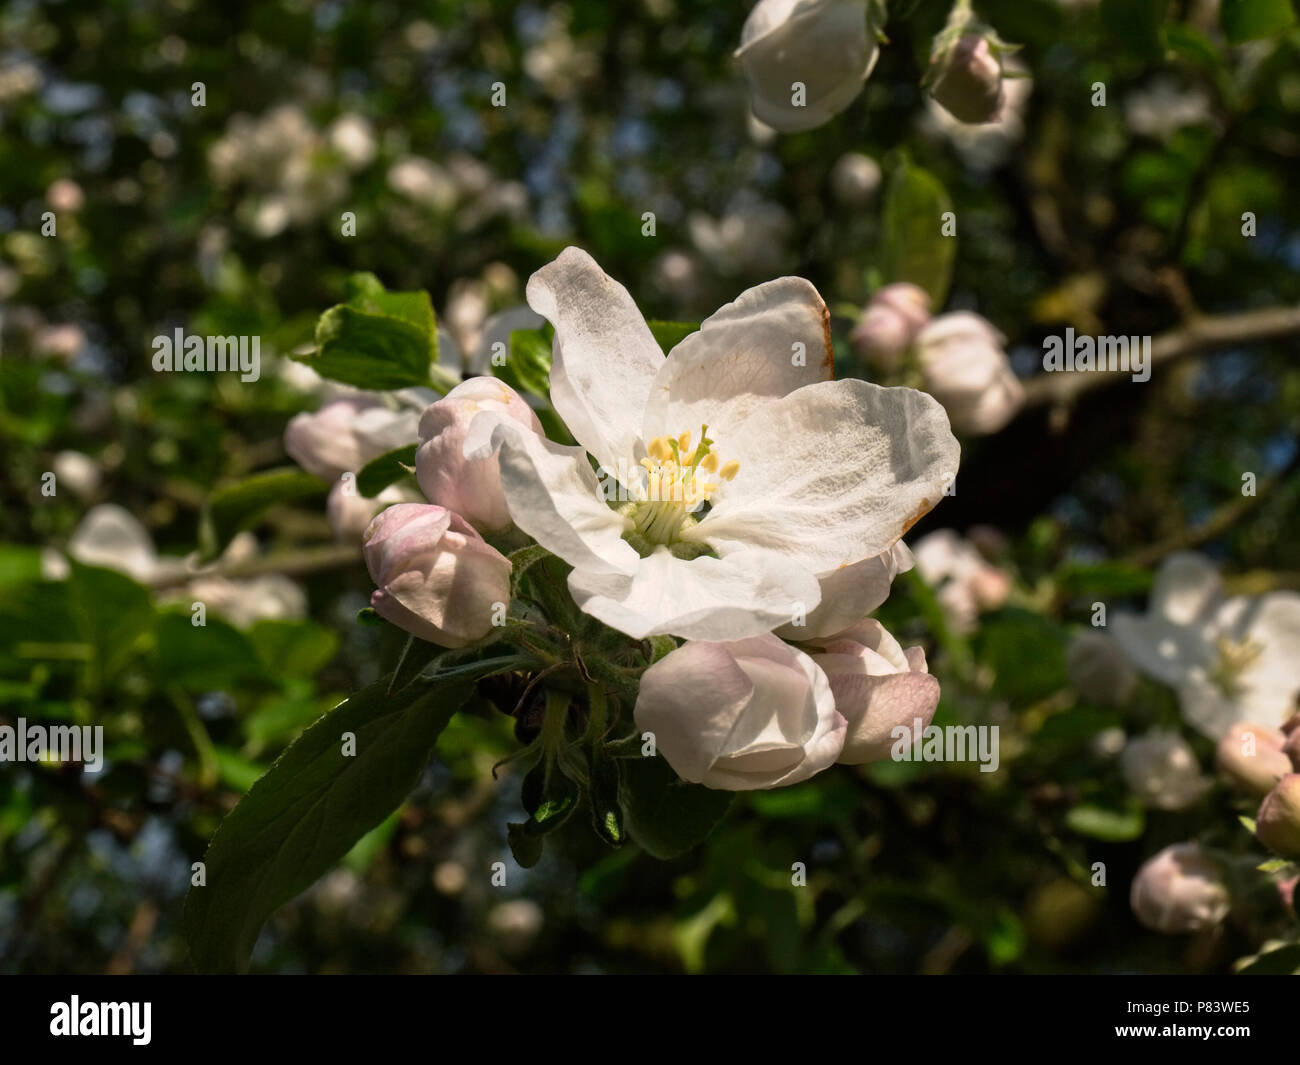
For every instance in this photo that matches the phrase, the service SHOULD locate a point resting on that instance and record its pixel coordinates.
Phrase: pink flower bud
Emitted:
(470, 487)
(743, 715)
(890, 324)
(437, 578)
(1179, 890)
(877, 686)
(1251, 758)
(345, 434)
(349, 512)
(1278, 823)
(1292, 748)
(966, 80)
(967, 371)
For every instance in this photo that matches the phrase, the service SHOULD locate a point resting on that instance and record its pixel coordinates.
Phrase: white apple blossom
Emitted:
(828, 46)
(1230, 658)
(723, 535)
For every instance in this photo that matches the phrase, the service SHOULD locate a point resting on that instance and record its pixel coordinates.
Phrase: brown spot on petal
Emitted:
(828, 362)
(924, 509)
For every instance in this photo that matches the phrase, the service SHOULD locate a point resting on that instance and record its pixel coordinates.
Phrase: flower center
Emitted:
(679, 480)
(1234, 660)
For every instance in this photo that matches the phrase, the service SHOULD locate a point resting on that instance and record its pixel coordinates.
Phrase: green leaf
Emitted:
(525, 844)
(1112, 826)
(416, 655)
(1135, 24)
(1248, 823)
(528, 367)
(366, 293)
(379, 473)
(1103, 580)
(1192, 45)
(199, 657)
(371, 351)
(19, 564)
(664, 815)
(111, 613)
(1246, 20)
(238, 506)
(914, 247)
(309, 809)
(278, 717)
(669, 334)
(235, 770)
(293, 648)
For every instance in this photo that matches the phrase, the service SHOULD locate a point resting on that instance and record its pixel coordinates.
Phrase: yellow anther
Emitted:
(709, 462)
(684, 441)
(729, 470)
(658, 449)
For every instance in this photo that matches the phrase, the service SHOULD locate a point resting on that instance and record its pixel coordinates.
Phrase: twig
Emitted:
(1218, 523)
(1200, 334)
(292, 564)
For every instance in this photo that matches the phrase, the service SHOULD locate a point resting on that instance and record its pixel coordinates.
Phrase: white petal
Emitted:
(553, 495)
(1187, 589)
(833, 474)
(1270, 683)
(1207, 709)
(605, 357)
(112, 537)
(1161, 650)
(773, 339)
(744, 594)
(850, 593)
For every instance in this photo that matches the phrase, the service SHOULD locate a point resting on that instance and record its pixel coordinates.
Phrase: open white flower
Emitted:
(723, 535)
(827, 46)
(1231, 659)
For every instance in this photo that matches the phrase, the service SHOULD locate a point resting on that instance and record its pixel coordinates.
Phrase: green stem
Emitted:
(203, 747)
(596, 722)
(553, 720)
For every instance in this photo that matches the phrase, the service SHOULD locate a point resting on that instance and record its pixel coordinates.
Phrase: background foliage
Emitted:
(1116, 219)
